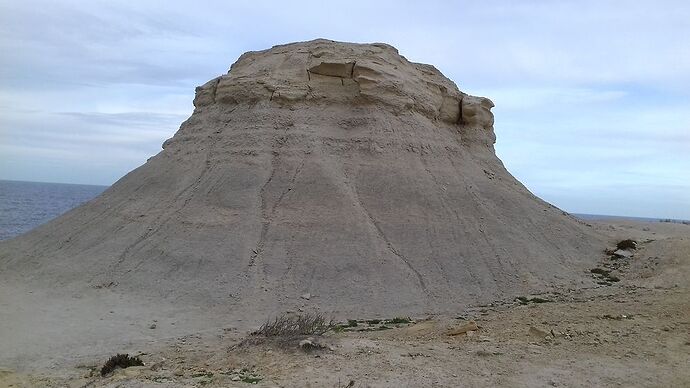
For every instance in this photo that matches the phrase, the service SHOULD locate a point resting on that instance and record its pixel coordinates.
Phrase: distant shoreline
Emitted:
(582, 216)
(602, 217)
(52, 183)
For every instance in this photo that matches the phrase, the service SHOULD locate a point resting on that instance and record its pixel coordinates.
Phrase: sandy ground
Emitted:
(635, 332)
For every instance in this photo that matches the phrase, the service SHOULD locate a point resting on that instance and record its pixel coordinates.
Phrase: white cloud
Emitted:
(589, 94)
(519, 98)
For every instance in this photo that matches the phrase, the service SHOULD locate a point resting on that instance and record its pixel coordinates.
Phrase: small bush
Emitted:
(525, 300)
(604, 276)
(398, 320)
(120, 361)
(627, 244)
(295, 325)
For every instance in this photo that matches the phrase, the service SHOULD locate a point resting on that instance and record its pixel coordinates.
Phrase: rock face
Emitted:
(335, 170)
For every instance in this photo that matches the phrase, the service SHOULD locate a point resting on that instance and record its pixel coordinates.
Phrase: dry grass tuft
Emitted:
(286, 325)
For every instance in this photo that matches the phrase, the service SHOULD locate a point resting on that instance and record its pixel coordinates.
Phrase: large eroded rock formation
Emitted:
(338, 170)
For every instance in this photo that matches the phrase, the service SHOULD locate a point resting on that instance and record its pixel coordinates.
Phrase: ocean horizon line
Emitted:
(583, 216)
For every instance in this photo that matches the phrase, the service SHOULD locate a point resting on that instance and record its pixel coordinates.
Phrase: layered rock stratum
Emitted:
(330, 175)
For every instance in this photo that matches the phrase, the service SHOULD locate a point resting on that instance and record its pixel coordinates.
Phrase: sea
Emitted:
(26, 205)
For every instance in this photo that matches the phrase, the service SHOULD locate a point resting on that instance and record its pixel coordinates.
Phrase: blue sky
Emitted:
(592, 97)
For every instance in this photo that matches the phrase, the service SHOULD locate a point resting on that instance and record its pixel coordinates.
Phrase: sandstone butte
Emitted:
(335, 170)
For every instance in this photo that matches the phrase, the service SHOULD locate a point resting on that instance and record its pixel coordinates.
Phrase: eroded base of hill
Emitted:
(631, 332)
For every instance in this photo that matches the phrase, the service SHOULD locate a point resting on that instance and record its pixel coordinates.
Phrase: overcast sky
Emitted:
(592, 97)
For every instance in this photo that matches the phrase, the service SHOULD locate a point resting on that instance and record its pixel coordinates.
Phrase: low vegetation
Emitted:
(244, 375)
(627, 244)
(371, 324)
(604, 276)
(525, 300)
(398, 320)
(616, 317)
(286, 325)
(290, 331)
(120, 361)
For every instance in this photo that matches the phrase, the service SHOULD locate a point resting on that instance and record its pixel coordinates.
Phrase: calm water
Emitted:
(25, 205)
(600, 217)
